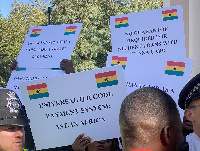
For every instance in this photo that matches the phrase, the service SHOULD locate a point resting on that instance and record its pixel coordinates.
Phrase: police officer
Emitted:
(12, 121)
(189, 100)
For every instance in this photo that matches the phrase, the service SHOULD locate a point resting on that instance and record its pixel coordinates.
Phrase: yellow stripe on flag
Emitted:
(70, 30)
(106, 79)
(121, 22)
(37, 91)
(36, 32)
(118, 62)
(170, 14)
(175, 68)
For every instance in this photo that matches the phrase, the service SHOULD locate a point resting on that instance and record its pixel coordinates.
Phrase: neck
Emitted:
(196, 130)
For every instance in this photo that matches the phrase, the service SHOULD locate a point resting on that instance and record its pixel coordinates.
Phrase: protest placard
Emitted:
(167, 73)
(61, 108)
(149, 32)
(28, 75)
(46, 46)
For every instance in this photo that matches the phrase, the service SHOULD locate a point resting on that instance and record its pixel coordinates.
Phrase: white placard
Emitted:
(46, 46)
(29, 75)
(151, 71)
(149, 32)
(74, 104)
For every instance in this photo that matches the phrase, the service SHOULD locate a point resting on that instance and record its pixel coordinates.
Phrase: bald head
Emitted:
(144, 113)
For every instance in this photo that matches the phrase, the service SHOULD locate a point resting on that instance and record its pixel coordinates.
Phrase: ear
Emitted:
(188, 115)
(165, 136)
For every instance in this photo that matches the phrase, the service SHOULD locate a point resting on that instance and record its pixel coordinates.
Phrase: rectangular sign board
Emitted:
(151, 32)
(46, 46)
(167, 73)
(29, 75)
(61, 108)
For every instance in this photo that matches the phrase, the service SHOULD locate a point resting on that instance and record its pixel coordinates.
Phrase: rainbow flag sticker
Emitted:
(169, 14)
(70, 30)
(175, 68)
(106, 79)
(119, 60)
(35, 32)
(37, 91)
(121, 22)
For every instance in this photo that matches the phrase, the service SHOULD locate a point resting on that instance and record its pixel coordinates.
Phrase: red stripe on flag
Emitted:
(172, 63)
(71, 27)
(36, 30)
(37, 86)
(169, 11)
(121, 19)
(119, 58)
(105, 74)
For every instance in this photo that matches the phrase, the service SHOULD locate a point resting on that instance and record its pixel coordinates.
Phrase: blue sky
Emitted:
(5, 6)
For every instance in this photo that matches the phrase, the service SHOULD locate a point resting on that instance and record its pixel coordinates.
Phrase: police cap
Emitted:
(12, 112)
(190, 92)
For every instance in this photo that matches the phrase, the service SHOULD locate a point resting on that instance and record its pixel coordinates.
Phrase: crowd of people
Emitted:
(149, 121)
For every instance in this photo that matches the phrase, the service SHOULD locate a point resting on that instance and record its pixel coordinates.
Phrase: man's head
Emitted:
(149, 119)
(189, 100)
(12, 121)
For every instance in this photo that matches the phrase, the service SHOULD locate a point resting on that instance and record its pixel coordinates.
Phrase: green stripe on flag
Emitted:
(34, 35)
(123, 66)
(170, 18)
(21, 69)
(40, 95)
(177, 73)
(68, 33)
(121, 25)
(55, 69)
(109, 83)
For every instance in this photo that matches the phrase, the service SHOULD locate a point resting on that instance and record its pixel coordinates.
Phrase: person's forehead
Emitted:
(195, 102)
(7, 126)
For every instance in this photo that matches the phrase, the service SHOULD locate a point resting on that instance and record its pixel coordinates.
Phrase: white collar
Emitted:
(193, 141)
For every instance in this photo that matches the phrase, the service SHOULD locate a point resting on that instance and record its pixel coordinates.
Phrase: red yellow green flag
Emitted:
(116, 60)
(175, 68)
(121, 22)
(169, 14)
(106, 79)
(35, 32)
(37, 91)
(70, 30)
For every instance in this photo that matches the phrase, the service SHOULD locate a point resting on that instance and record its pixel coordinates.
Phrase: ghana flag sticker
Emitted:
(37, 91)
(169, 14)
(175, 68)
(121, 22)
(116, 60)
(35, 32)
(70, 30)
(106, 79)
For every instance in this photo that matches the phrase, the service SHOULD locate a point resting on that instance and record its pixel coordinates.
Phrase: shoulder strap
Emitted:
(184, 146)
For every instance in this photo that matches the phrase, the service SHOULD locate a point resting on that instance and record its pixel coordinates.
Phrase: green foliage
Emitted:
(14, 30)
(94, 41)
